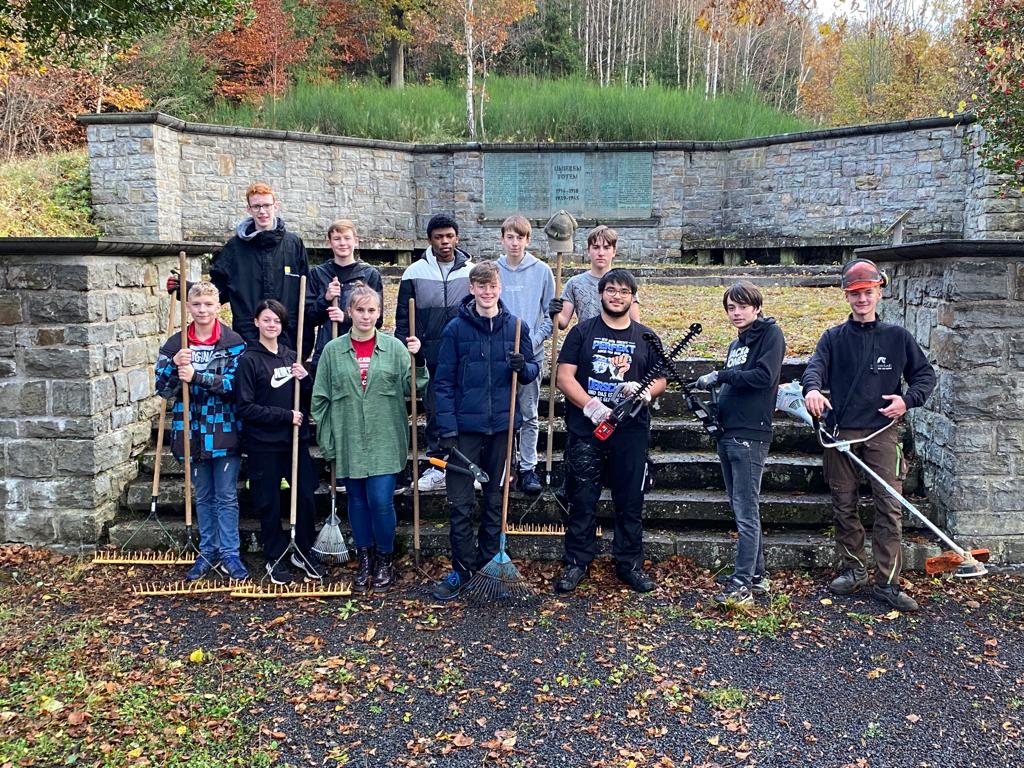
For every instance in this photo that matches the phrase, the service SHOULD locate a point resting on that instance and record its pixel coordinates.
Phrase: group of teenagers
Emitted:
(458, 351)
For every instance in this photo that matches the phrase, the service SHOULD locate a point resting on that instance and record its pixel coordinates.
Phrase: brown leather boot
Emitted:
(384, 573)
(364, 558)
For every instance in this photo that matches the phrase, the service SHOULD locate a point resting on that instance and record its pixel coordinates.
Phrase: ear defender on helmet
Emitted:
(862, 273)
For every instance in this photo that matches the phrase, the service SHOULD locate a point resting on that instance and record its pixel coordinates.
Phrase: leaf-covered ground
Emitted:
(803, 314)
(92, 676)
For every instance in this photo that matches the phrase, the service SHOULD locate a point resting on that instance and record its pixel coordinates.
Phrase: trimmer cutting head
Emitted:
(970, 567)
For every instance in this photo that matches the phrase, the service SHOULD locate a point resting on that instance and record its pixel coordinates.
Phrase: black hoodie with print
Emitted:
(749, 381)
(265, 409)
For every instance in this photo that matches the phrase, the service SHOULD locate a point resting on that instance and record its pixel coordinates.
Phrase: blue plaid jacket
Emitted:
(215, 428)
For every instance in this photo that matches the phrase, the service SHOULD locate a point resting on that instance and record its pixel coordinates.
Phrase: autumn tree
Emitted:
(996, 30)
(255, 56)
(392, 30)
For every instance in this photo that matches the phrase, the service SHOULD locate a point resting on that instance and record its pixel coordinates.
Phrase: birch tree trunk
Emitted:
(468, 21)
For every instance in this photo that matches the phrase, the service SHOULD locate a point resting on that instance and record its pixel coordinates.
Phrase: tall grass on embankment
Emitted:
(517, 109)
(46, 196)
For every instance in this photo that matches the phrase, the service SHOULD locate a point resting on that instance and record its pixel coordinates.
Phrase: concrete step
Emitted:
(662, 506)
(713, 549)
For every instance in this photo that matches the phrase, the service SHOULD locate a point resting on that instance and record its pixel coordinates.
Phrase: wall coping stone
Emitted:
(872, 129)
(95, 246)
(943, 249)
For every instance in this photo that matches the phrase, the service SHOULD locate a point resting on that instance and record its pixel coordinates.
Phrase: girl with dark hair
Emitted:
(362, 383)
(264, 400)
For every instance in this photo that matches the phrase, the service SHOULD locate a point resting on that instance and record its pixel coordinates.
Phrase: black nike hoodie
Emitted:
(265, 410)
(749, 381)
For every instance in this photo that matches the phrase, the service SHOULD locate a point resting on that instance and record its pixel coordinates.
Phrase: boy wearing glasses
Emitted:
(263, 260)
(600, 364)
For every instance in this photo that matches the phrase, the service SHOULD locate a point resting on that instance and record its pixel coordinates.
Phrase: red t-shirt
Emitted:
(364, 351)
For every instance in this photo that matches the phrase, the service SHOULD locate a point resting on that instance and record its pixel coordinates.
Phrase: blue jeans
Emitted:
(742, 467)
(371, 511)
(216, 488)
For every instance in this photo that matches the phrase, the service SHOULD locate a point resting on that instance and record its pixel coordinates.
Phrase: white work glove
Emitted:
(629, 388)
(708, 380)
(596, 411)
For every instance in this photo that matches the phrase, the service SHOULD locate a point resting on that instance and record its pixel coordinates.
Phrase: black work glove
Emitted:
(516, 361)
(555, 306)
(446, 443)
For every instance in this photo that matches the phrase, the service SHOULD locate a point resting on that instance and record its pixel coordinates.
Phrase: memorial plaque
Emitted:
(611, 185)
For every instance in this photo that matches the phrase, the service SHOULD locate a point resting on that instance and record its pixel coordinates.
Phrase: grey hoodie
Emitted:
(526, 291)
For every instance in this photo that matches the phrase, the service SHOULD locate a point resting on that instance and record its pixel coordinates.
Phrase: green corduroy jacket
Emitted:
(365, 432)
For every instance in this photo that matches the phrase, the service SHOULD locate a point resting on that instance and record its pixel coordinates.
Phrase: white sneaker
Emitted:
(432, 480)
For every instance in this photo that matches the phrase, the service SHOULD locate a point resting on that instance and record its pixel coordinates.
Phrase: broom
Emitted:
(500, 580)
(330, 546)
(248, 589)
(122, 556)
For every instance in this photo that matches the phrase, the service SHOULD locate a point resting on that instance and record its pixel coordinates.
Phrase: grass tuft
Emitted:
(46, 196)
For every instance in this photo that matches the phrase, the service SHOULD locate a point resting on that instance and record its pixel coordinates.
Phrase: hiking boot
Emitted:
(361, 582)
(735, 593)
(233, 567)
(432, 480)
(449, 587)
(308, 566)
(201, 568)
(637, 579)
(383, 573)
(849, 581)
(529, 483)
(569, 578)
(279, 573)
(896, 597)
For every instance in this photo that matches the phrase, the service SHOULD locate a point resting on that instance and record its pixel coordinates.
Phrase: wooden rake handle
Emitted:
(414, 440)
(511, 433)
(186, 426)
(296, 403)
(334, 462)
(163, 415)
(554, 370)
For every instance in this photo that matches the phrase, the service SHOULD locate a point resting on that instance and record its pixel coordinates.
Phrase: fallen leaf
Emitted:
(462, 740)
(877, 672)
(76, 717)
(826, 601)
(197, 656)
(913, 718)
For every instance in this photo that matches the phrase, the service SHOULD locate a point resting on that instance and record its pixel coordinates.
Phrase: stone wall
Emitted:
(964, 303)
(79, 334)
(157, 177)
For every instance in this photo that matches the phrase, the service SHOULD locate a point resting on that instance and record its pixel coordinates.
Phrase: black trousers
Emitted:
(488, 453)
(265, 471)
(620, 462)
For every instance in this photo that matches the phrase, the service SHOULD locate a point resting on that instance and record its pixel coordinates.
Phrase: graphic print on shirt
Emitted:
(281, 376)
(202, 354)
(609, 364)
(737, 357)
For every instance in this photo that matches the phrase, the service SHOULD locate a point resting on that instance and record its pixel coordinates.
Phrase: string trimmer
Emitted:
(961, 563)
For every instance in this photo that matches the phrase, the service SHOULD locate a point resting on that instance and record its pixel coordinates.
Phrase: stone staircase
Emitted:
(686, 513)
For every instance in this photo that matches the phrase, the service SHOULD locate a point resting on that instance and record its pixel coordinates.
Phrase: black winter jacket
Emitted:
(254, 266)
(266, 410)
(749, 381)
(438, 297)
(860, 362)
(473, 384)
(320, 277)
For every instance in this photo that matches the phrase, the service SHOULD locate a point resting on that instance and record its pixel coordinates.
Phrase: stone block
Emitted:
(977, 280)
(61, 426)
(10, 308)
(83, 398)
(62, 493)
(969, 317)
(76, 527)
(28, 526)
(85, 335)
(30, 458)
(32, 277)
(23, 398)
(90, 457)
(63, 362)
(140, 385)
(134, 352)
(963, 351)
(8, 369)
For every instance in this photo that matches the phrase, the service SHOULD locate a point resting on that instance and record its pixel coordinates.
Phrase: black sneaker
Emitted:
(849, 581)
(735, 594)
(569, 578)
(637, 579)
(529, 483)
(308, 566)
(896, 597)
(279, 573)
(449, 587)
